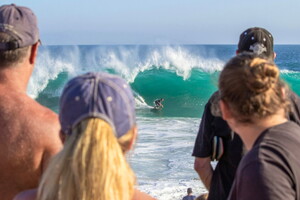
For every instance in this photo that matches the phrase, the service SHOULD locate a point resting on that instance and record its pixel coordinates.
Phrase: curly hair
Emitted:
(252, 87)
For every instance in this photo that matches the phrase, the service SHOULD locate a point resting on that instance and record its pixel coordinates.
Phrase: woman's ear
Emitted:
(225, 110)
(132, 141)
(283, 92)
(62, 136)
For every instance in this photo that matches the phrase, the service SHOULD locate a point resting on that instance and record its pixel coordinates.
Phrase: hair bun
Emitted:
(263, 76)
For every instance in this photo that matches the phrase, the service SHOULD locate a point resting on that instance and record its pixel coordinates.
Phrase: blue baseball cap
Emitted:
(97, 95)
(20, 23)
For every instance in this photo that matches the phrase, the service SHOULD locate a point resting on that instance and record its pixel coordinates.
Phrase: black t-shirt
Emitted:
(271, 169)
(224, 172)
(294, 115)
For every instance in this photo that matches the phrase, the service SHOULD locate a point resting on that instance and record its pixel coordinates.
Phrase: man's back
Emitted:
(28, 138)
(29, 133)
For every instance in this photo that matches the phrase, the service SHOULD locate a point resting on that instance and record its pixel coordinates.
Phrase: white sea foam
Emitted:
(126, 61)
(162, 157)
(172, 189)
(140, 102)
(287, 71)
(49, 67)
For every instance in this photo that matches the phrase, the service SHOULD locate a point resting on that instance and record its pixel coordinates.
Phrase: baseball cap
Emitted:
(257, 40)
(20, 23)
(97, 95)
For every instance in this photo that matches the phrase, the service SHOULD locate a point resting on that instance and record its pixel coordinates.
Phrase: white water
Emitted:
(162, 157)
(126, 61)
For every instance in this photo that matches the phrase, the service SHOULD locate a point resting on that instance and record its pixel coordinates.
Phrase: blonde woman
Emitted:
(97, 116)
(254, 104)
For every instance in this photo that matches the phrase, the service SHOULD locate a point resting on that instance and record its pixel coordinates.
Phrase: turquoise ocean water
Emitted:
(184, 75)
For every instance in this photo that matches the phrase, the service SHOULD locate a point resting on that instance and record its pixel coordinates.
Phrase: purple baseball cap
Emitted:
(97, 95)
(21, 24)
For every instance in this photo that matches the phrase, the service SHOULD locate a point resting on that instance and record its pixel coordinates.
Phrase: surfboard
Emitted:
(156, 108)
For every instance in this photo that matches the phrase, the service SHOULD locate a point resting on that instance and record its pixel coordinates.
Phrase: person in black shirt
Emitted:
(219, 181)
(253, 101)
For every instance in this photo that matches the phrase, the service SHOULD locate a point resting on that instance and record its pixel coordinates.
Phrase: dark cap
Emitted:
(97, 95)
(20, 23)
(256, 40)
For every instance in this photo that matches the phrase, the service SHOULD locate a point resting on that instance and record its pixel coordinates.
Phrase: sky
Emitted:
(77, 22)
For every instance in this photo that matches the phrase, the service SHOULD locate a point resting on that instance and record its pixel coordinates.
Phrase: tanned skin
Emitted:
(29, 134)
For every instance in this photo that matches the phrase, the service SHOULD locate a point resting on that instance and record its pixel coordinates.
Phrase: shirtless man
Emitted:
(29, 133)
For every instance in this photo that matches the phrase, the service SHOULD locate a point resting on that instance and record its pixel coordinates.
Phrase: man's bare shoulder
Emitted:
(22, 114)
(15, 105)
(29, 137)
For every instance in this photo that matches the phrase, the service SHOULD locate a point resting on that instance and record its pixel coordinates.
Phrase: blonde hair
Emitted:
(91, 166)
(252, 87)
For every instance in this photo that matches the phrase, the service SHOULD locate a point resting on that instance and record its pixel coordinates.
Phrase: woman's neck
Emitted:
(250, 132)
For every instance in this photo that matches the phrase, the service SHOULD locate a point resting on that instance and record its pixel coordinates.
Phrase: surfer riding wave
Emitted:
(158, 103)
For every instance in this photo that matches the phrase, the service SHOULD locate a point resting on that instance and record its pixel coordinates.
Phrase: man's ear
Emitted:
(62, 136)
(237, 52)
(225, 110)
(275, 55)
(33, 53)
